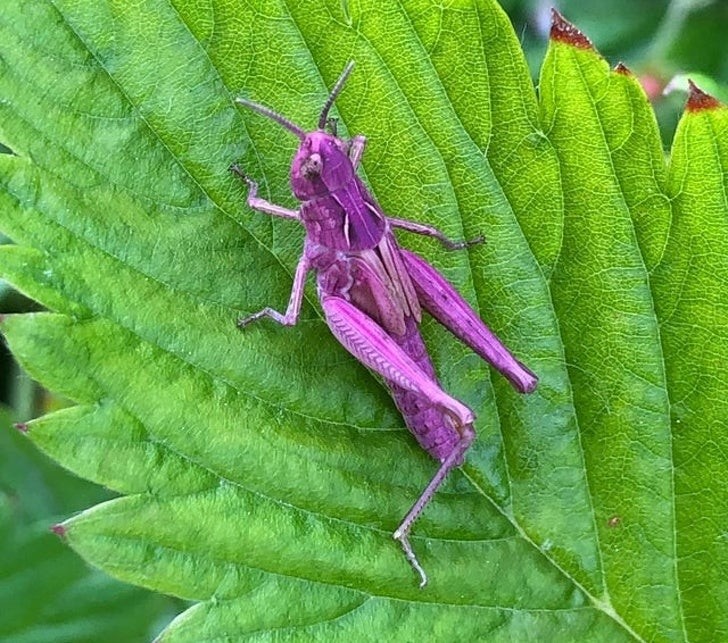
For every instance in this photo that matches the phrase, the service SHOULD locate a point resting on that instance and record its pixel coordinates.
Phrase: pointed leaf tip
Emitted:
(698, 100)
(563, 31)
(621, 68)
(59, 530)
(21, 426)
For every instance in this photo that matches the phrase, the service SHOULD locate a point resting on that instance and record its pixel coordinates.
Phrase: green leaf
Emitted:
(691, 300)
(263, 472)
(48, 594)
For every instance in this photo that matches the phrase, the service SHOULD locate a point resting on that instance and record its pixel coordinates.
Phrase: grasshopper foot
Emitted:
(240, 173)
(243, 322)
(461, 245)
(402, 536)
(237, 171)
(283, 320)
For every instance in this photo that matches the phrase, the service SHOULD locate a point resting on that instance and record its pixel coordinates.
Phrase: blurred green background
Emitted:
(46, 592)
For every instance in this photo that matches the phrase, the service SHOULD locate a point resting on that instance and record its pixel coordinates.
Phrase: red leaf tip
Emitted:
(563, 31)
(21, 426)
(698, 100)
(59, 530)
(621, 68)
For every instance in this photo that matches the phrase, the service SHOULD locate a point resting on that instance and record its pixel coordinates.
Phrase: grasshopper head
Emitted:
(320, 166)
(322, 161)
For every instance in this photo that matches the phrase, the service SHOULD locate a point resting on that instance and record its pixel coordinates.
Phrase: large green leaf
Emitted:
(264, 471)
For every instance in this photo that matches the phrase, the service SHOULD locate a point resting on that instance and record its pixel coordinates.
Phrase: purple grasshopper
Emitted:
(372, 293)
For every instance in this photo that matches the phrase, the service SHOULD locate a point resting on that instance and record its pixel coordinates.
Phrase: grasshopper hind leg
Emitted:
(371, 345)
(453, 460)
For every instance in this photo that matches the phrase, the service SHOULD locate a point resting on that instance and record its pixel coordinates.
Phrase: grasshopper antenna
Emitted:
(334, 93)
(267, 111)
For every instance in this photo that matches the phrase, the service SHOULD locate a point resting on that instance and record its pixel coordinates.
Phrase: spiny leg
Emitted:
(431, 231)
(453, 460)
(294, 303)
(372, 346)
(261, 205)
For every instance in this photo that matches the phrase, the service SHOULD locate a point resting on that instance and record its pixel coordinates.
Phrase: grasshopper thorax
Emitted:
(321, 166)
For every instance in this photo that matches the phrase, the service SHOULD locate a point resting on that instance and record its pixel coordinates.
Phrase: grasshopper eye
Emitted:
(312, 166)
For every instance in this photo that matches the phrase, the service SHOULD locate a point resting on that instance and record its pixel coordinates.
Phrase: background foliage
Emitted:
(261, 477)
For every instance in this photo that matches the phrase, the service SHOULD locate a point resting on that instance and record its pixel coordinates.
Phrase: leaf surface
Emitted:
(262, 472)
(48, 593)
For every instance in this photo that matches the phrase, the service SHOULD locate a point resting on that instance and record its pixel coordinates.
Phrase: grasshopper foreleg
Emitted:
(290, 317)
(261, 205)
(372, 346)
